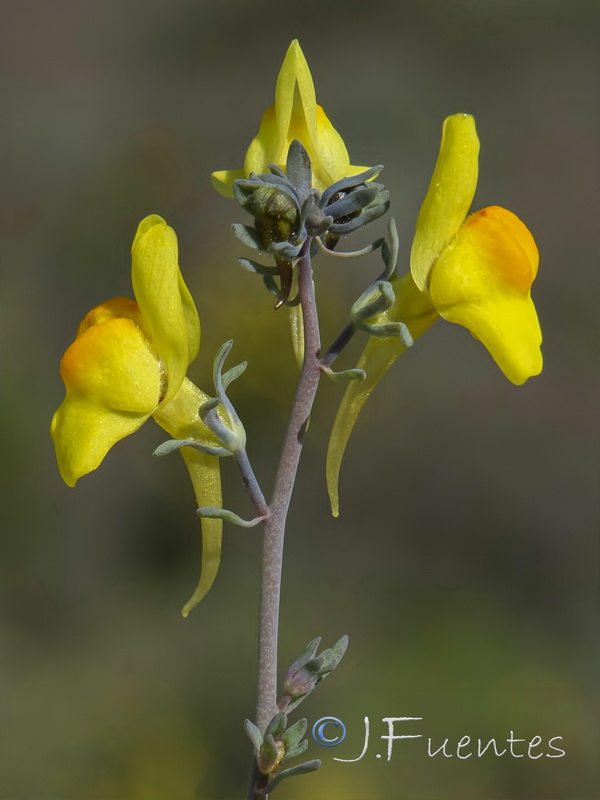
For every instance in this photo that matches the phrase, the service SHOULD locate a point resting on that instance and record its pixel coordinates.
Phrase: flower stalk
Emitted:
(274, 526)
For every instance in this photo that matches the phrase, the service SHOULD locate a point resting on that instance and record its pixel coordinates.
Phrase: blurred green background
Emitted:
(464, 564)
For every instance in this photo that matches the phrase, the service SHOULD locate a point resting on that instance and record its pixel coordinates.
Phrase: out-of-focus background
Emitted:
(463, 566)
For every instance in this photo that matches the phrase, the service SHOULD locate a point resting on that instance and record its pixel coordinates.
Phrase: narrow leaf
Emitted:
(248, 236)
(212, 512)
(301, 769)
(172, 445)
(259, 269)
(277, 725)
(295, 751)
(253, 734)
(294, 733)
(345, 375)
(233, 374)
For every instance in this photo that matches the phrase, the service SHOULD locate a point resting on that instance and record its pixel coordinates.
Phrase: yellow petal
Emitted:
(181, 420)
(113, 383)
(111, 364)
(223, 180)
(294, 115)
(167, 307)
(483, 280)
(84, 431)
(449, 196)
(295, 102)
(112, 309)
(414, 309)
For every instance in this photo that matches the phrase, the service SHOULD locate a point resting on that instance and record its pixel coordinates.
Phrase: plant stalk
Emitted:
(274, 526)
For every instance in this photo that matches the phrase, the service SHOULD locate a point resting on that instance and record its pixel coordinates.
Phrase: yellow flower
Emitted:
(295, 115)
(129, 362)
(476, 271)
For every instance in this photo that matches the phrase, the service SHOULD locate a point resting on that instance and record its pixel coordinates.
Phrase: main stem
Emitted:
(274, 526)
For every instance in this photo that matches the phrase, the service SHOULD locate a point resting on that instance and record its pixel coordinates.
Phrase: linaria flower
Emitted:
(474, 270)
(129, 362)
(294, 115)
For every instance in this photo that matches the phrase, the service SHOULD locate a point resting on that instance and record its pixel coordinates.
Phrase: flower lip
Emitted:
(128, 357)
(482, 280)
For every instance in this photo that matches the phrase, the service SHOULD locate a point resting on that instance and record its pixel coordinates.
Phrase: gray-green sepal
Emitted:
(295, 751)
(372, 212)
(171, 445)
(388, 329)
(248, 236)
(346, 184)
(232, 374)
(212, 512)
(259, 269)
(208, 415)
(292, 736)
(254, 735)
(277, 725)
(376, 299)
(344, 375)
(389, 253)
(308, 670)
(269, 755)
(351, 253)
(300, 769)
(298, 167)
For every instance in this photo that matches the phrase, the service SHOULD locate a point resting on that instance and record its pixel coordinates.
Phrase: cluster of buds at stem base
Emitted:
(280, 743)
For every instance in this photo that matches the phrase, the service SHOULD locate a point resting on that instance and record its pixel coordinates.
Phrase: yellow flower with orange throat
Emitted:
(128, 363)
(474, 270)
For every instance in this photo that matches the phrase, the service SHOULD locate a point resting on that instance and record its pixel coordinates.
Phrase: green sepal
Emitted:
(233, 374)
(248, 236)
(294, 702)
(209, 405)
(332, 656)
(259, 269)
(294, 733)
(277, 725)
(254, 735)
(268, 756)
(295, 751)
(387, 329)
(376, 299)
(389, 253)
(171, 445)
(346, 184)
(212, 512)
(308, 670)
(298, 167)
(345, 375)
(351, 253)
(210, 417)
(309, 652)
